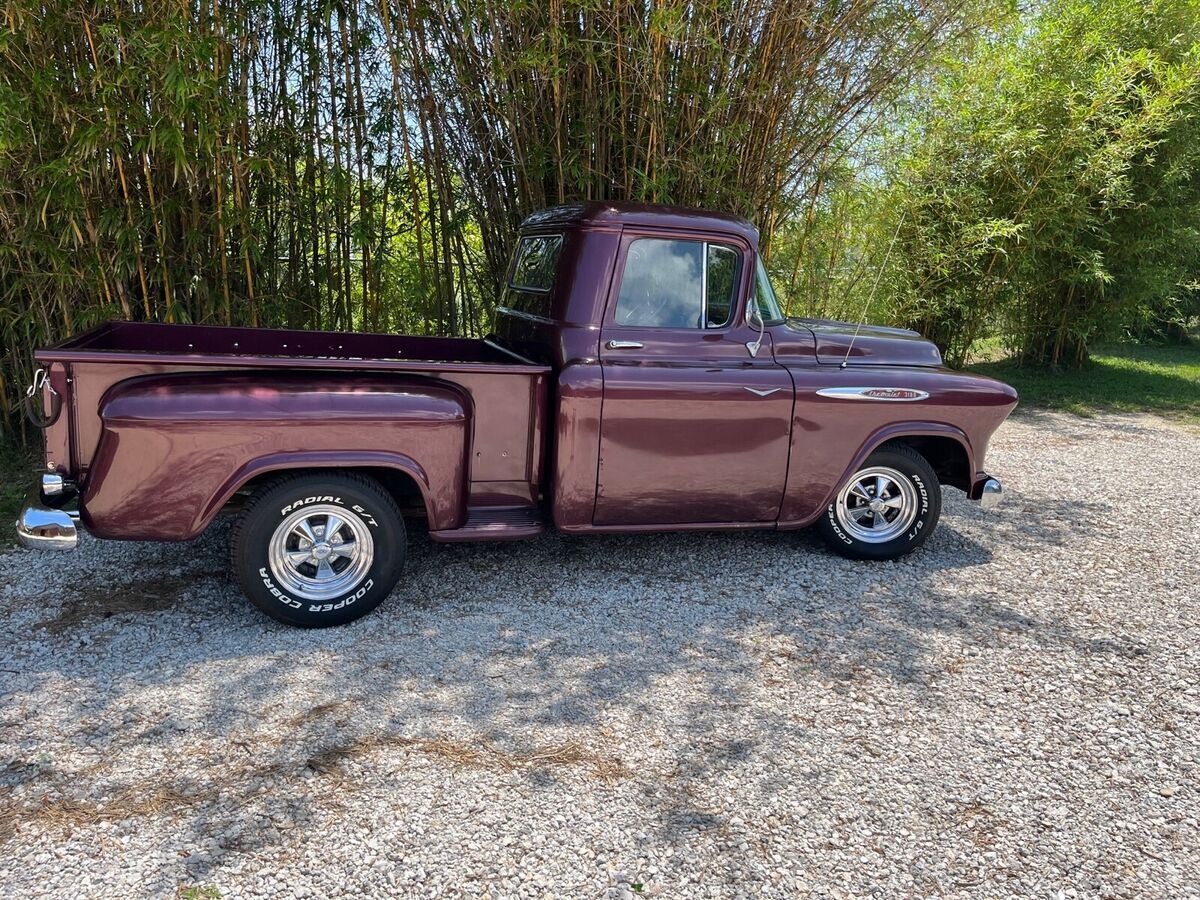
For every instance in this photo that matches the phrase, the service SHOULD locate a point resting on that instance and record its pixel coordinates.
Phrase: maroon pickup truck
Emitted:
(640, 377)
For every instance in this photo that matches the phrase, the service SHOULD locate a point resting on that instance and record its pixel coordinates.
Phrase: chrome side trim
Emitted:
(881, 394)
(41, 527)
(766, 393)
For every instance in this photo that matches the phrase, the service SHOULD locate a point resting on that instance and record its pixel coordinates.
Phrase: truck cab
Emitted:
(640, 376)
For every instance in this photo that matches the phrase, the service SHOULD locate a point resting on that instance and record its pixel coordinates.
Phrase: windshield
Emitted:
(764, 303)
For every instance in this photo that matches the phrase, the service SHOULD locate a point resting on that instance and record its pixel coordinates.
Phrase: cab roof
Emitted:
(616, 213)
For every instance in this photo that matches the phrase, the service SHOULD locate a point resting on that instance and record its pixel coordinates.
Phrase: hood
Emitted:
(874, 345)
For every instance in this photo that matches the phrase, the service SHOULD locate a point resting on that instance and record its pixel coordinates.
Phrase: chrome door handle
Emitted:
(624, 345)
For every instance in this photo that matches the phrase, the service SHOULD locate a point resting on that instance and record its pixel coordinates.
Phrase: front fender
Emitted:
(835, 429)
(807, 504)
(175, 448)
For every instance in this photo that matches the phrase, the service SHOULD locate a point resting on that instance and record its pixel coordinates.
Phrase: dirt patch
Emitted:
(478, 755)
(104, 601)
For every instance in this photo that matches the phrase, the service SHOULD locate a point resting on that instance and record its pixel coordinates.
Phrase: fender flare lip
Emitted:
(877, 438)
(305, 460)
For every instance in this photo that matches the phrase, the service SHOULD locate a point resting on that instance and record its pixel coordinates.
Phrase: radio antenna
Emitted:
(871, 296)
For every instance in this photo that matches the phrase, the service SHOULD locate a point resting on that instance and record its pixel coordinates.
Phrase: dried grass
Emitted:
(477, 755)
(58, 812)
(317, 712)
(67, 813)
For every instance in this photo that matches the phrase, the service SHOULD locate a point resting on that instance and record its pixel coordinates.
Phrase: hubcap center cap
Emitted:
(321, 550)
(876, 505)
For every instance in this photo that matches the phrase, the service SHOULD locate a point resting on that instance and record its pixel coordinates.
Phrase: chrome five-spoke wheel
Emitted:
(321, 551)
(886, 509)
(320, 548)
(877, 505)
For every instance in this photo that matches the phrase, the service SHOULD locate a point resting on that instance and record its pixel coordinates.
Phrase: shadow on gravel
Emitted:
(538, 661)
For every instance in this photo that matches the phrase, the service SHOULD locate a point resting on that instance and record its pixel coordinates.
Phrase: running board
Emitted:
(495, 523)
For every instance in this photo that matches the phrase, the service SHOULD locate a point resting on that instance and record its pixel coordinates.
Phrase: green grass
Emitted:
(1125, 377)
(17, 468)
(197, 892)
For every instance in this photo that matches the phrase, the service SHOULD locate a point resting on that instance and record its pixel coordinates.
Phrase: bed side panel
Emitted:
(172, 446)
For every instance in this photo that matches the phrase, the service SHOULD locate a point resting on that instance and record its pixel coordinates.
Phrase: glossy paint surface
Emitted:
(175, 447)
(838, 342)
(832, 437)
(507, 396)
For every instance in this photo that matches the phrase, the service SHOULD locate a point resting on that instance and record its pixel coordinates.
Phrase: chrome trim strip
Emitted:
(880, 394)
(766, 393)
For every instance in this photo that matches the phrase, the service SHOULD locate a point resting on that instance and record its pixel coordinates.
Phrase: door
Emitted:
(693, 428)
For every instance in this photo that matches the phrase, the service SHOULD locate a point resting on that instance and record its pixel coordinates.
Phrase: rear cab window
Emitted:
(678, 283)
(531, 275)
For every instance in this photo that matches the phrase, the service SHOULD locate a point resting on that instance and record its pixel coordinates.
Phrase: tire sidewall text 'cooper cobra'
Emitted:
(887, 509)
(319, 550)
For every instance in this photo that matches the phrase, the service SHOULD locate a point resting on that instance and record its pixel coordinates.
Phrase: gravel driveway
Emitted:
(1014, 710)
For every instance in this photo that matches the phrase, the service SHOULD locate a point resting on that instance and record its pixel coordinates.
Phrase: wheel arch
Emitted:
(401, 476)
(949, 444)
(949, 457)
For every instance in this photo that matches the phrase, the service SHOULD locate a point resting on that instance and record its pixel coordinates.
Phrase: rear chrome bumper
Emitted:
(43, 526)
(990, 494)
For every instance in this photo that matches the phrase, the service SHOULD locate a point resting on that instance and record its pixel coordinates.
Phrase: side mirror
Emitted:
(755, 320)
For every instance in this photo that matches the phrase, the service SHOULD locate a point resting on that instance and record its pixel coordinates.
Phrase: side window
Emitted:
(678, 284)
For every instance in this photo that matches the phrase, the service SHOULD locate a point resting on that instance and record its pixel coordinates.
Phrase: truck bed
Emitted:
(226, 346)
(508, 393)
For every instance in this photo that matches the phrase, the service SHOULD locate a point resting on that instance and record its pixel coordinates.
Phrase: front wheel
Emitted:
(319, 550)
(887, 509)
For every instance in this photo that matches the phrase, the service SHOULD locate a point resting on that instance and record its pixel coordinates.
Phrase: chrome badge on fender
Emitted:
(895, 395)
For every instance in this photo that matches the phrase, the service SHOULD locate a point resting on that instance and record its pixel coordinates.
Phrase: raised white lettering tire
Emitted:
(319, 550)
(887, 509)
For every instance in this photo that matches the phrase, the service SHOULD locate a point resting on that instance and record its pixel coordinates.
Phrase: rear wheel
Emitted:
(319, 550)
(887, 509)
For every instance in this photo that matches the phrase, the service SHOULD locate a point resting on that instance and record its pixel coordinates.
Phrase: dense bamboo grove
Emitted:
(728, 105)
(361, 165)
(196, 162)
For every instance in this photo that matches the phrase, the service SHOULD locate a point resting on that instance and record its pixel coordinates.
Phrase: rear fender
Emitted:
(175, 448)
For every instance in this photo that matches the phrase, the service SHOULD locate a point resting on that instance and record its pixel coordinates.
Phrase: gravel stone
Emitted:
(1015, 710)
